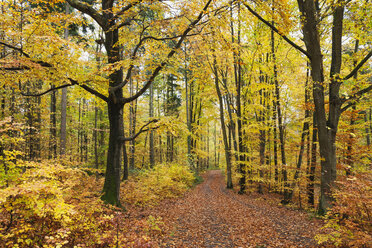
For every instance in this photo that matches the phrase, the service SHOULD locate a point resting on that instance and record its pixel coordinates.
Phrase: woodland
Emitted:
(185, 123)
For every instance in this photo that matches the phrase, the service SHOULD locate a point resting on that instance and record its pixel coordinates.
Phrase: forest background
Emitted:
(138, 97)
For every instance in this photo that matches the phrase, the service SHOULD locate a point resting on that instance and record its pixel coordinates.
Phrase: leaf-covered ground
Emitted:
(212, 216)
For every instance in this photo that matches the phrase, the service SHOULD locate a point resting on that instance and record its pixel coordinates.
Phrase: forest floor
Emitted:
(212, 216)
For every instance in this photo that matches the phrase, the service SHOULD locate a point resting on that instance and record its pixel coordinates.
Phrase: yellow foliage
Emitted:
(51, 205)
(163, 181)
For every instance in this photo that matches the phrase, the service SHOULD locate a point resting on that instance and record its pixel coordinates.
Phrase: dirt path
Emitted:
(211, 216)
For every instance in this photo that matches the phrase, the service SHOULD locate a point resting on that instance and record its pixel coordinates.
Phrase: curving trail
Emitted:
(212, 216)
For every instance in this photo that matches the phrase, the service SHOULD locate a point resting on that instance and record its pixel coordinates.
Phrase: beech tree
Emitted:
(327, 120)
(112, 16)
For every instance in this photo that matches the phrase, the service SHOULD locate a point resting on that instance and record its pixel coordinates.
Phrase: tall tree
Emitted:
(111, 17)
(63, 133)
(327, 123)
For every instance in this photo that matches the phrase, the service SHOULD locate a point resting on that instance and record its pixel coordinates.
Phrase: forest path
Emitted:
(212, 216)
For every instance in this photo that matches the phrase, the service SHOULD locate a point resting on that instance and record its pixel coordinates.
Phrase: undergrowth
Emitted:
(150, 186)
(349, 221)
(50, 205)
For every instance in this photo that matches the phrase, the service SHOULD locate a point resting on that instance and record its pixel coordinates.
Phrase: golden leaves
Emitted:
(152, 186)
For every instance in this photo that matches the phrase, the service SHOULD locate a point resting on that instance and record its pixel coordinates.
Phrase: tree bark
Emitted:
(53, 126)
(229, 183)
(312, 43)
(63, 133)
(367, 120)
(151, 115)
(280, 119)
(262, 133)
(311, 184)
(111, 185)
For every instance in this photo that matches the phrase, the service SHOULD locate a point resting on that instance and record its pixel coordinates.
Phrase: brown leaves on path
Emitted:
(212, 216)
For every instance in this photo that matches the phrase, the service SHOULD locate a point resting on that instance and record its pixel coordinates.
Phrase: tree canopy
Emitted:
(133, 99)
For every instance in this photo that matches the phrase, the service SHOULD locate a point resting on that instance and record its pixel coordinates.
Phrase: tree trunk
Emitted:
(95, 137)
(368, 125)
(112, 179)
(275, 145)
(132, 126)
(125, 163)
(151, 141)
(280, 119)
(144, 148)
(311, 184)
(53, 124)
(326, 138)
(329, 171)
(63, 133)
(229, 183)
(111, 186)
(349, 156)
(262, 133)
(232, 125)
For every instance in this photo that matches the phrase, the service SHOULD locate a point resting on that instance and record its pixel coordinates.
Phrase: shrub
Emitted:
(52, 206)
(163, 181)
(349, 221)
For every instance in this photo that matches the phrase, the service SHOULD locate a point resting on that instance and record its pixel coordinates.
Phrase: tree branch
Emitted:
(277, 31)
(46, 64)
(89, 10)
(127, 22)
(42, 63)
(20, 68)
(73, 82)
(361, 63)
(135, 50)
(89, 89)
(47, 91)
(126, 8)
(131, 66)
(355, 96)
(142, 130)
(170, 55)
(15, 48)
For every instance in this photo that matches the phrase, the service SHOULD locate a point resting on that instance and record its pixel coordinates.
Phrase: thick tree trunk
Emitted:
(112, 179)
(111, 187)
(326, 129)
(329, 172)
